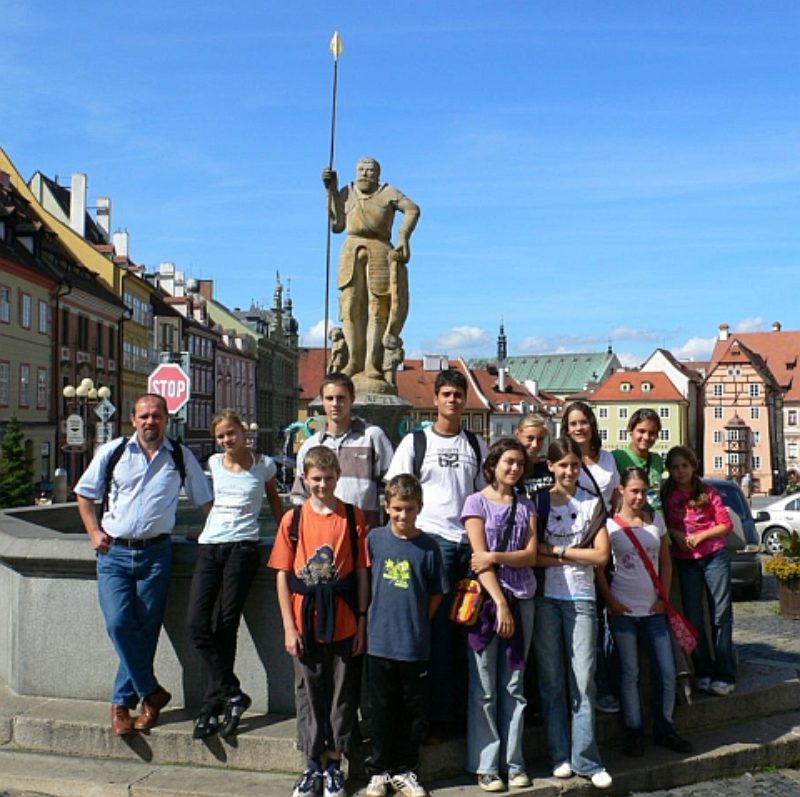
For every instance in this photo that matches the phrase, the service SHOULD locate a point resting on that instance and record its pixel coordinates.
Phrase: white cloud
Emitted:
(558, 344)
(752, 324)
(695, 349)
(630, 333)
(629, 360)
(456, 339)
(315, 336)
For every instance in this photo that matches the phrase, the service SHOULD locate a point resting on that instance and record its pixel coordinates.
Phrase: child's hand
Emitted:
(659, 607)
(680, 540)
(505, 622)
(360, 639)
(293, 642)
(482, 561)
(693, 540)
(618, 608)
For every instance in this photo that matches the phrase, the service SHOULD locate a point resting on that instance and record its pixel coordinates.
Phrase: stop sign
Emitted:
(171, 382)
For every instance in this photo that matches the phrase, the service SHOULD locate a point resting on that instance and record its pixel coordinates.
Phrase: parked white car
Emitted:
(779, 517)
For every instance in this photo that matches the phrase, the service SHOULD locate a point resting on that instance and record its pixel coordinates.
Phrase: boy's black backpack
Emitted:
(421, 445)
(116, 454)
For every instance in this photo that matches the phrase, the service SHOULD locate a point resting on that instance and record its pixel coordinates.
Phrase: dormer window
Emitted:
(625, 387)
(647, 387)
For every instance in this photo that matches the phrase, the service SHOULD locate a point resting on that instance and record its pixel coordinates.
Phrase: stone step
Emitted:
(721, 752)
(267, 743)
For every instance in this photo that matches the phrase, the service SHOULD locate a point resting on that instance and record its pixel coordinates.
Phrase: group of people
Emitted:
(574, 548)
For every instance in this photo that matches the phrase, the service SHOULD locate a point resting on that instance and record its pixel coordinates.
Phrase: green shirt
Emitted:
(653, 465)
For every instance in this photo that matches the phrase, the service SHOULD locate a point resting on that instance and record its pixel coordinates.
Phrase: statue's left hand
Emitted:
(404, 250)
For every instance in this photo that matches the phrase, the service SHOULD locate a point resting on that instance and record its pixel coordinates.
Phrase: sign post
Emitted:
(172, 383)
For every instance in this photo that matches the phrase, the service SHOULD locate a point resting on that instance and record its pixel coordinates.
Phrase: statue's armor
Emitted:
(377, 268)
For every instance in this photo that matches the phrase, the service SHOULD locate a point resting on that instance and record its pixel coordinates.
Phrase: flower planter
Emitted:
(789, 597)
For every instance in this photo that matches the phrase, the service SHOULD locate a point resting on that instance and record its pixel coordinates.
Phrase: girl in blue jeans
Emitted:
(637, 613)
(501, 526)
(573, 542)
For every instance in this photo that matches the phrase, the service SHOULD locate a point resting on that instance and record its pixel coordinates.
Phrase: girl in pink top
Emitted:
(698, 523)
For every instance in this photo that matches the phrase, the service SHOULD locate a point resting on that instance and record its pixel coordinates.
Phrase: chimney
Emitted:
(77, 203)
(723, 331)
(121, 243)
(166, 277)
(104, 215)
(776, 326)
(501, 379)
(206, 288)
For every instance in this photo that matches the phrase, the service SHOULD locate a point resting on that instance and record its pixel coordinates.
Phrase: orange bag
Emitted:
(467, 601)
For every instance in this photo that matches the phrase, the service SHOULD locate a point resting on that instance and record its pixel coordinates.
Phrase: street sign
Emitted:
(171, 382)
(104, 410)
(75, 432)
(103, 432)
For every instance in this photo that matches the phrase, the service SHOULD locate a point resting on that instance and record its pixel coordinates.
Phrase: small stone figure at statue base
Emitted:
(339, 356)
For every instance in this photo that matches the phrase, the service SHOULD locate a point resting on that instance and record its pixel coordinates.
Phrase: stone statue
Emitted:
(393, 356)
(338, 358)
(373, 275)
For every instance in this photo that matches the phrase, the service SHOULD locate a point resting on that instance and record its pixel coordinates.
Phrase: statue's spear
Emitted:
(336, 48)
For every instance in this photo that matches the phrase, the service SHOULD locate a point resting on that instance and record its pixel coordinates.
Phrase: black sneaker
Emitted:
(309, 783)
(206, 724)
(234, 708)
(674, 742)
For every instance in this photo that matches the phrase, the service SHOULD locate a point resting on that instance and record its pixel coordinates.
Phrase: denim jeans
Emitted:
(710, 576)
(496, 705)
(567, 631)
(222, 577)
(448, 663)
(652, 632)
(132, 589)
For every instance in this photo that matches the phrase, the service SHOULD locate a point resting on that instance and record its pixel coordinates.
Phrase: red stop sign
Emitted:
(170, 381)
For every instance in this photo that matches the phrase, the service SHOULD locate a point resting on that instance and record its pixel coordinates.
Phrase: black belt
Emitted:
(140, 543)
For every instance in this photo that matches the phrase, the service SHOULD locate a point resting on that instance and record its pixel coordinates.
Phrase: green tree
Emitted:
(16, 471)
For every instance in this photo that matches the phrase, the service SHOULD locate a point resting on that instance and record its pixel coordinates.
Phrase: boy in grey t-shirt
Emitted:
(407, 588)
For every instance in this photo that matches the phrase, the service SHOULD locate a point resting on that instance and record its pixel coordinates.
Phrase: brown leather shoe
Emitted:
(121, 720)
(151, 708)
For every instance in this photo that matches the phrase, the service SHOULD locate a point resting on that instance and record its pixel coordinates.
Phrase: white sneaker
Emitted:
(563, 770)
(703, 685)
(721, 688)
(601, 780)
(377, 785)
(407, 784)
(519, 780)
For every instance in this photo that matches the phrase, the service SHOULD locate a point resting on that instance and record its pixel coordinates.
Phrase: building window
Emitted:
(83, 333)
(603, 434)
(717, 435)
(756, 462)
(5, 383)
(791, 450)
(717, 413)
(663, 434)
(625, 387)
(623, 413)
(717, 463)
(718, 389)
(602, 412)
(41, 388)
(755, 413)
(25, 310)
(755, 390)
(44, 317)
(65, 327)
(735, 458)
(756, 437)
(24, 386)
(99, 338)
(5, 304)
(622, 435)
(791, 418)
(663, 412)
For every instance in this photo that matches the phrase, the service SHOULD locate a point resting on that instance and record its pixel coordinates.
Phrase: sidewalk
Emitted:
(65, 748)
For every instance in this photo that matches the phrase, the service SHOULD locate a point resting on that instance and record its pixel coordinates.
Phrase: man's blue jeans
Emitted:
(654, 635)
(566, 631)
(132, 588)
(448, 662)
(710, 576)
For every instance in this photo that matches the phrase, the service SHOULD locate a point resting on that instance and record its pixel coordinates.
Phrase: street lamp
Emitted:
(84, 394)
(253, 429)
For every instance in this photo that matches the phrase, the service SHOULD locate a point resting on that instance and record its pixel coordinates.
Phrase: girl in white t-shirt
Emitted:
(637, 616)
(572, 544)
(228, 557)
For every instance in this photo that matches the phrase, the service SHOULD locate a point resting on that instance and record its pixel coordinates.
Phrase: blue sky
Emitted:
(591, 172)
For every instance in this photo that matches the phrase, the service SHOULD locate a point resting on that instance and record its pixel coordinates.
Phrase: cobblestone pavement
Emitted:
(784, 783)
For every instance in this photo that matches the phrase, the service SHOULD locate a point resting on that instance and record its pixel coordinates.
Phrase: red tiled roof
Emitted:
(662, 389)
(778, 350)
(414, 384)
(311, 370)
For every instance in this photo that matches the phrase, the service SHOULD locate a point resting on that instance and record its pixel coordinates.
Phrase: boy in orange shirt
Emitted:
(323, 593)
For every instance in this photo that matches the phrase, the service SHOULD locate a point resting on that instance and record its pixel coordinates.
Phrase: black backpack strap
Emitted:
(294, 530)
(350, 511)
(472, 439)
(116, 454)
(420, 446)
(177, 458)
(542, 516)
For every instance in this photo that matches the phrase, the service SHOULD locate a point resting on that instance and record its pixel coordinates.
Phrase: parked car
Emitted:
(779, 517)
(743, 541)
